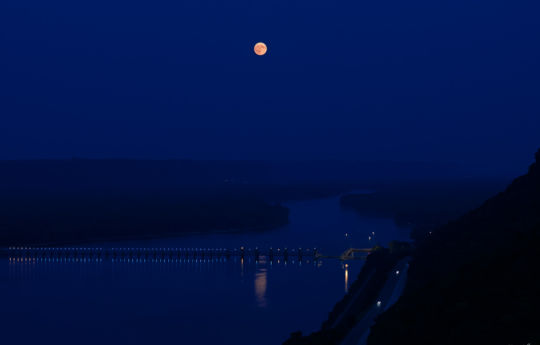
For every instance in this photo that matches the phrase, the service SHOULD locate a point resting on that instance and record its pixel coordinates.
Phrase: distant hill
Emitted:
(475, 280)
(150, 174)
(425, 205)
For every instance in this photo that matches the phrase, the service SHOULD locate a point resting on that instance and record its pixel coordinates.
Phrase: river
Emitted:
(225, 302)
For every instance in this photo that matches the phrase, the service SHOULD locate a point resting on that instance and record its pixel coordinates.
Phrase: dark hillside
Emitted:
(475, 280)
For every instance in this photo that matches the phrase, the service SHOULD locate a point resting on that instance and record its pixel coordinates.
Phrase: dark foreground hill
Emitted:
(475, 280)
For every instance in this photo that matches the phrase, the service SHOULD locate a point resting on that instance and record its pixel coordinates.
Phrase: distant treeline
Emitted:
(46, 217)
(152, 174)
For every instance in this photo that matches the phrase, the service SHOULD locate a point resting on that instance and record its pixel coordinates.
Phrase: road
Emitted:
(390, 293)
(353, 299)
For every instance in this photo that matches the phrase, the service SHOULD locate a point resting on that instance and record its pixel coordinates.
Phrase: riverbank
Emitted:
(364, 293)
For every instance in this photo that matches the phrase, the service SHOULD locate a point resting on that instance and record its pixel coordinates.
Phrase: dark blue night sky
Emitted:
(400, 80)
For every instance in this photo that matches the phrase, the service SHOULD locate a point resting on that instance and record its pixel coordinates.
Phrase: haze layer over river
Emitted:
(226, 302)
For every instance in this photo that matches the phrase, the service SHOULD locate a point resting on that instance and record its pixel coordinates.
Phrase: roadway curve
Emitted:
(390, 293)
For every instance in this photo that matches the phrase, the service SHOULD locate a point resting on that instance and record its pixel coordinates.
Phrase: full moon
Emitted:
(260, 48)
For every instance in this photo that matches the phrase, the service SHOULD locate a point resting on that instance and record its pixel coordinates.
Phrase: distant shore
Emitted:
(63, 218)
(93, 241)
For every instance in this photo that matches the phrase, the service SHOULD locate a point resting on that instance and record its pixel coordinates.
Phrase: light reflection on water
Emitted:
(36, 268)
(346, 268)
(260, 284)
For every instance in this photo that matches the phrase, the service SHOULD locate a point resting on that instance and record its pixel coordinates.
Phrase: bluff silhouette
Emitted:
(475, 280)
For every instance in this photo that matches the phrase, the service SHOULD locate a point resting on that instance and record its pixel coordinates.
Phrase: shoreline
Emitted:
(353, 308)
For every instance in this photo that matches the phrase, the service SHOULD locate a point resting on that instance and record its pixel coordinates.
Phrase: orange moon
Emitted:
(260, 48)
